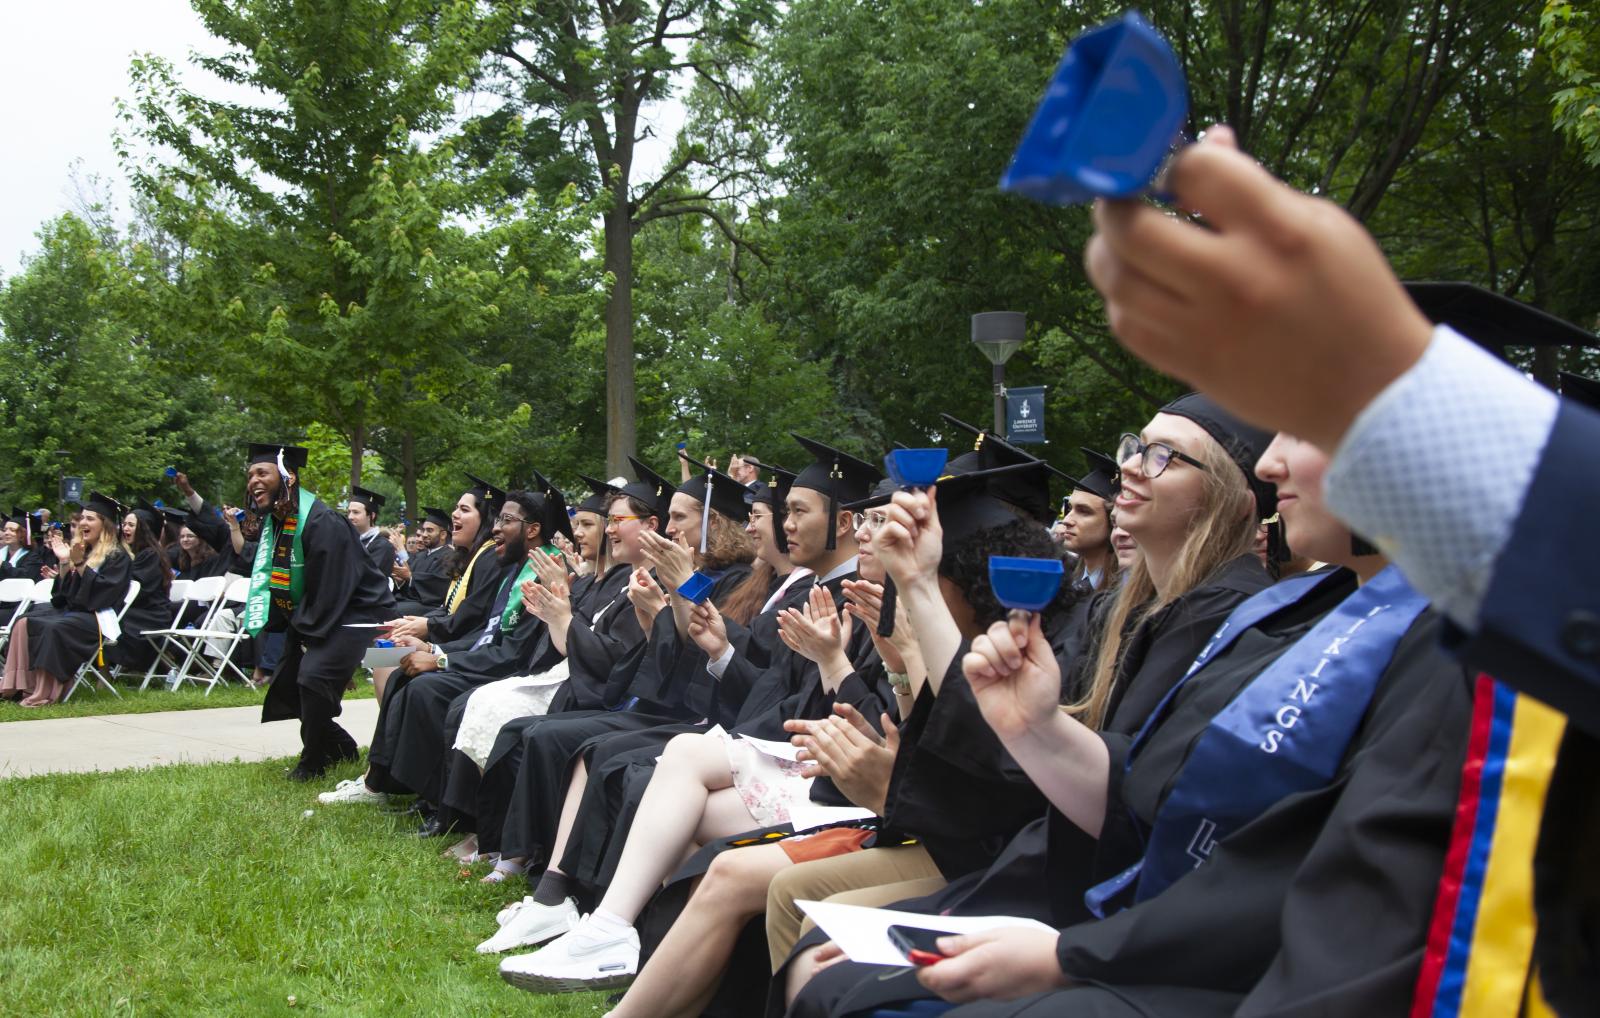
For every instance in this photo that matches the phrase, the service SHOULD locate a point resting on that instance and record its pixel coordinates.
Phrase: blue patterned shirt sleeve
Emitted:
(1434, 471)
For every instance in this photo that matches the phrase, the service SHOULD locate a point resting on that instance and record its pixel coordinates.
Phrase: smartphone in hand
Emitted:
(921, 947)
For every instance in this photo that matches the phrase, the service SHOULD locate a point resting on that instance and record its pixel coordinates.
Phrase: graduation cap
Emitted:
(178, 516)
(104, 505)
(652, 489)
(432, 515)
(774, 491)
(369, 498)
(727, 494)
(837, 475)
(148, 515)
(488, 496)
(600, 495)
(990, 452)
(1494, 321)
(556, 518)
(1583, 390)
(1104, 476)
(288, 457)
(1244, 444)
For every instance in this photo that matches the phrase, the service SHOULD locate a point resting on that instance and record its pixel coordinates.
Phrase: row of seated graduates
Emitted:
(765, 685)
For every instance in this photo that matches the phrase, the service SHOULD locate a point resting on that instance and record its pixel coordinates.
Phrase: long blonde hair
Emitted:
(110, 542)
(1224, 527)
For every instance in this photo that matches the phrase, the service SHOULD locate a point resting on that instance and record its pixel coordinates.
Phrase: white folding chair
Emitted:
(178, 647)
(180, 598)
(17, 593)
(91, 666)
(42, 589)
(219, 642)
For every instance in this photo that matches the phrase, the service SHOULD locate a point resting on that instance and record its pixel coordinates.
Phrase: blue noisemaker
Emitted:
(172, 472)
(1025, 584)
(238, 514)
(696, 588)
(1112, 114)
(911, 469)
(915, 468)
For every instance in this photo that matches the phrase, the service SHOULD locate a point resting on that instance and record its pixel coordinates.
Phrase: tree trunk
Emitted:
(358, 442)
(408, 468)
(620, 438)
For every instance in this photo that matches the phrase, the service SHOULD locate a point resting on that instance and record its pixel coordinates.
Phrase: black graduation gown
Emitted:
(151, 609)
(380, 549)
(1318, 906)
(25, 566)
(790, 688)
(483, 585)
(409, 744)
(65, 633)
(341, 586)
(430, 580)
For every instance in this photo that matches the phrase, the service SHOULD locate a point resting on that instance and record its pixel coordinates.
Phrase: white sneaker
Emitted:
(353, 790)
(584, 959)
(504, 915)
(531, 924)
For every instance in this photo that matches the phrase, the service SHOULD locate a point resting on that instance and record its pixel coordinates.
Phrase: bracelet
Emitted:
(900, 682)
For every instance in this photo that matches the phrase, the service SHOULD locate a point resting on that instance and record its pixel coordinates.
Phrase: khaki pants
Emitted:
(872, 877)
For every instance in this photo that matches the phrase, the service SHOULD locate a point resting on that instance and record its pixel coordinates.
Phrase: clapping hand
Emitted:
(845, 748)
(551, 569)
(708, 630)
(647, 598)
(1014, 676)
(672, 560)
(864, 603)
(816, 632)
(549, 603)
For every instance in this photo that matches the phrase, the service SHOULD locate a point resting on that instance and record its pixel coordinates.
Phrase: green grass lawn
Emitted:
(204, 890)
(85, 703)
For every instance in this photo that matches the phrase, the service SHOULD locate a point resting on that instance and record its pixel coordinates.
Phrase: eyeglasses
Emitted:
(509, 521)
(1155, 457)
(871, 521)
(624, 519)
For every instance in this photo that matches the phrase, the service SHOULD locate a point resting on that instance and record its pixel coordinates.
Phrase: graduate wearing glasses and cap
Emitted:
(312, 581)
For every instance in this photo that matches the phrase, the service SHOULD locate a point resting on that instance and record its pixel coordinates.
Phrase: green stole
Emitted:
(279, 568)
(513, 612)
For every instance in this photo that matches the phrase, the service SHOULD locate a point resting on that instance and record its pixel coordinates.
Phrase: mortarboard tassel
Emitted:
(886, 613)
(705, 516)
(1359, 546)
(834, 476)
(779, 512)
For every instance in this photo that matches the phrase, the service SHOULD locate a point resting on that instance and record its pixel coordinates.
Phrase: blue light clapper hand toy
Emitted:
(1113, 112)
(1025, 584)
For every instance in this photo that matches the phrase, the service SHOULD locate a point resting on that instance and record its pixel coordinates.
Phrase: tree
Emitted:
(585, 73)
(74, 379)
(1570, 35)
(287, 287)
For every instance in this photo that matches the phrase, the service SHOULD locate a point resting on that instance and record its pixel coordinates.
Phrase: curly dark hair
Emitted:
(966, 564)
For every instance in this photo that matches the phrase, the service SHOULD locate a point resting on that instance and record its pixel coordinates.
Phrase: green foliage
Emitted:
(1570, 34)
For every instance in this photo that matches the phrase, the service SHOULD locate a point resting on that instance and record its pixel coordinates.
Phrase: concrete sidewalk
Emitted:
(115, 741)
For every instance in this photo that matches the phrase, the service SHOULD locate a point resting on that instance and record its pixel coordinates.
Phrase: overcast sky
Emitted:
(62, 68)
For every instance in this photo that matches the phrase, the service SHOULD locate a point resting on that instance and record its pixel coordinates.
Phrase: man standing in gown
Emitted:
(311, 580)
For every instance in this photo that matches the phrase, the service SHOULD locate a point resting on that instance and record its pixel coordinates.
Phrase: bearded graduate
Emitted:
(1269, 840)
(52, 641)
(311, 581)
(412, 720)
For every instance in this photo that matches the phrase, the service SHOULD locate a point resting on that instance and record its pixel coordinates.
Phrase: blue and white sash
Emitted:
(1286, 732)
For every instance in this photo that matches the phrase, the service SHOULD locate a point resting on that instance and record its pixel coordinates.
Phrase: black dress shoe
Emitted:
(301, 773)
(432, 827)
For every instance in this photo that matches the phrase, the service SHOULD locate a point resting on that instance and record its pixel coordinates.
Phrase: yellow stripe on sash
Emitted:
(1502, 936)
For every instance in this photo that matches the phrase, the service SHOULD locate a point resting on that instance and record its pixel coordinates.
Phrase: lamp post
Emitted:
(999, 334)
